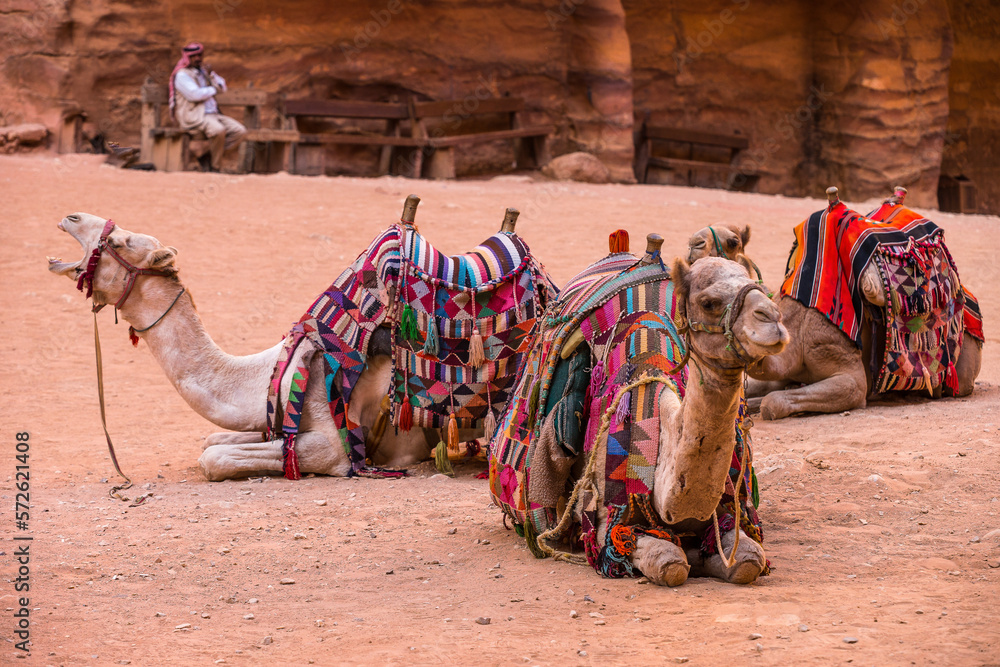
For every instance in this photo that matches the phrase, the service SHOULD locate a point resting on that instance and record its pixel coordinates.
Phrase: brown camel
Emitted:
(695, 440)
(229, 391)
(821, 370)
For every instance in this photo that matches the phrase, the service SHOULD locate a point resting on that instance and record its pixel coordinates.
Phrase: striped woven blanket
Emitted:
(927, 307)
(625, 311)
(460, 327)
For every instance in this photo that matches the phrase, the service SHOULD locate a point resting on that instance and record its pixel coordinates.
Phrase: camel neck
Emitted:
(229, 391)
(694, 458)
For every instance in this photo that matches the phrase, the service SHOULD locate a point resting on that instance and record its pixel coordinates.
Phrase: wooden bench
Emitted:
(689, 152)
(168, 148)
(440, 126)
(344, 122)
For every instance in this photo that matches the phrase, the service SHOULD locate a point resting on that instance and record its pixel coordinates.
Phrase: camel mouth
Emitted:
(56, 264)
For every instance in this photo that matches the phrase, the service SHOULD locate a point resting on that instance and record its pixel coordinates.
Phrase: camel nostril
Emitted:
(73, 218)
(765, 315)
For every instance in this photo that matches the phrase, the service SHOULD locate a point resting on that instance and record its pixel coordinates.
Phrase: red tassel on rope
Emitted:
(291, 468)
(132, 337)
(406, 415)
(951, 379)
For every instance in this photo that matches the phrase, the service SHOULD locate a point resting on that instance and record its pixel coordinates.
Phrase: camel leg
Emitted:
(231, 438)
(246, 459)
(749, 563)
(661, 561)
(970, 360)
(843, 391)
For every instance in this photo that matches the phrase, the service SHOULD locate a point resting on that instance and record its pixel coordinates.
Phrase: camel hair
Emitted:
(821, 358)
(697, 439)
(229, 391)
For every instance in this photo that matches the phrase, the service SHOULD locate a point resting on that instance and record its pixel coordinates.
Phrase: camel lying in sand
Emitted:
(822, 358)
(607, 409)
(229, 391)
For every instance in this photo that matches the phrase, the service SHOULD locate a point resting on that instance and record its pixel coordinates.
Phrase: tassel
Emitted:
(378, 428)
(533, 404)
(408, 324)
(133, 337)
(951, 379)
(291, 468)
(431, 344)
(477, 357)
(453, 433)
(441, 461)
(618, 241)
(489, 425)
(406, 415)
(597, 376)
(624, 407)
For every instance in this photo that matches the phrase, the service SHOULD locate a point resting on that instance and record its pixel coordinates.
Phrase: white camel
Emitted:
(229, 391)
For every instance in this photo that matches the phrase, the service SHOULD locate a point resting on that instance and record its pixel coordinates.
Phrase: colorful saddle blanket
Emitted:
(927, 308)
(625, 311)
(436, 306)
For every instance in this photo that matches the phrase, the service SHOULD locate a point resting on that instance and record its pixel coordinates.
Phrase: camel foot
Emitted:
(749, 563)
(774, 407)
(662, 562)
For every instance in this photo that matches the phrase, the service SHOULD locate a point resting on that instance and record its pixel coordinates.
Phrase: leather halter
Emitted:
(132, 271)
(725, 327)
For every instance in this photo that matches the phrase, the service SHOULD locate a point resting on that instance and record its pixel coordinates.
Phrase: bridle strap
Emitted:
(132, 271)
(116, 490)
(725, 327)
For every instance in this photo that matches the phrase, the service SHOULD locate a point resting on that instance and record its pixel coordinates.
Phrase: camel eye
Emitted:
(709, 304)
(733, 244)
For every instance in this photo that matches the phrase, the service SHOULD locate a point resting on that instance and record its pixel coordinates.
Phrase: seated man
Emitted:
(195, 107)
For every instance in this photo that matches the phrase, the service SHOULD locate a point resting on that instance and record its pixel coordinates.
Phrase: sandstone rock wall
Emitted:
(849, 93)
(884, 65)
(972, 143)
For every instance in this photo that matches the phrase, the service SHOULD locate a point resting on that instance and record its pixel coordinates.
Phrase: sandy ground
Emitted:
(882, 525)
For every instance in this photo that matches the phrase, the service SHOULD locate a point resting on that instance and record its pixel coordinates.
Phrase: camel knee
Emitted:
(662, 562)
(229, 438)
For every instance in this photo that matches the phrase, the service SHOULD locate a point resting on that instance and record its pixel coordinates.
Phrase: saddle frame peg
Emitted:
(653, 244)
(833, 196)
(409, 210)
(897, 196)
(509, 220)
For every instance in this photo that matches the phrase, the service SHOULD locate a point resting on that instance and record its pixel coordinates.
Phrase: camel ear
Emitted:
(745, 262)
(163, 259)
(745, 236)
(680, 274)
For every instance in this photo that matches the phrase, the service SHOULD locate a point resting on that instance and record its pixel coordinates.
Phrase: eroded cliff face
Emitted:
(884, 65)
(972, 142)
(854, 94)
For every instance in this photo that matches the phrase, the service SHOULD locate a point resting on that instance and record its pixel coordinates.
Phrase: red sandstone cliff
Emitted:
(852, 93)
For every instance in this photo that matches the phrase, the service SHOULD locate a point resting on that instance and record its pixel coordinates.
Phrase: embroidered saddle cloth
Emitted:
(625, 312)
(402, 282)
(927, 309)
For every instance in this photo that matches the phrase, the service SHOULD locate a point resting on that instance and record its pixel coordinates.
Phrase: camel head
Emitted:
(732, 324)
(718, 293)
(726, 240)
(110, 278)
